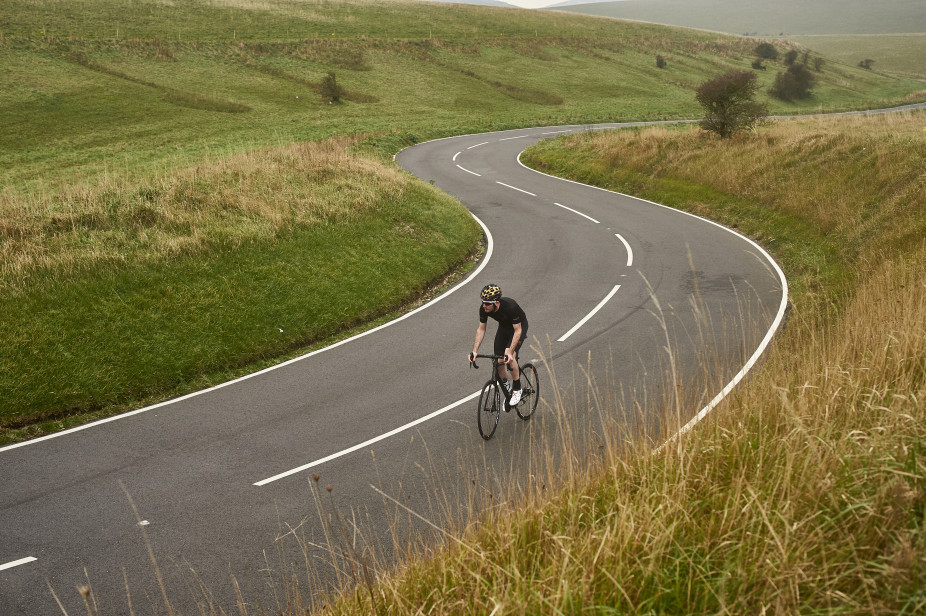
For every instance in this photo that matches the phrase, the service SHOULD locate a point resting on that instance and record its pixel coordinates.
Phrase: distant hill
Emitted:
(764, 18)
(480, 3)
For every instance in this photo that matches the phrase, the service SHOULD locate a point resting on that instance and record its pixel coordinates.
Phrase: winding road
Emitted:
(217, 488)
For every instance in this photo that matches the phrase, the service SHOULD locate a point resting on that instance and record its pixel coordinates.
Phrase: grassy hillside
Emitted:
(760, 18)
(805, 492)
(153, 148)
(903, 54)
(99, 88)
(893, 34)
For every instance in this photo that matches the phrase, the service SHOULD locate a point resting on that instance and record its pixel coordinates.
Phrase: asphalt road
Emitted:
(215, 491)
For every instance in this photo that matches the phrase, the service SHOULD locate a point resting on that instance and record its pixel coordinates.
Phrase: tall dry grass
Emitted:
(226, 202)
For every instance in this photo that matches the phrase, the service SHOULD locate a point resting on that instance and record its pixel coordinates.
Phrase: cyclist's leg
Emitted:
(503, 337)
(515, 370)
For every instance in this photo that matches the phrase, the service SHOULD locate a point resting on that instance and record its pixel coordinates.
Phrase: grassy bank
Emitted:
(805, 492)
(124, 293)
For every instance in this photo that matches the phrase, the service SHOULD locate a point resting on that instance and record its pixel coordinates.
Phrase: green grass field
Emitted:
(126, 127)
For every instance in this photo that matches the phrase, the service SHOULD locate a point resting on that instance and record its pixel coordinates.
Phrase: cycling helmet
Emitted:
(491, 292)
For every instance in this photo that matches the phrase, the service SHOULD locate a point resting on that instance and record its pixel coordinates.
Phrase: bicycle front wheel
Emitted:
(489, 410)
(530, 391)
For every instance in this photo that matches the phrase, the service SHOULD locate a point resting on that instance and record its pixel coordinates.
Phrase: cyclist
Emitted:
(512, 330)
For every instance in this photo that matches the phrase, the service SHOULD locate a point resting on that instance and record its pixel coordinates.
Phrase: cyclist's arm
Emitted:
(480, 334)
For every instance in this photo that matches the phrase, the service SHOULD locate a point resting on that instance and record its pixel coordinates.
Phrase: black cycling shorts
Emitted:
(503, 337)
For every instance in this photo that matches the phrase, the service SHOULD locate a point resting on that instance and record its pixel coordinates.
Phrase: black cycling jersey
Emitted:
(507, 314)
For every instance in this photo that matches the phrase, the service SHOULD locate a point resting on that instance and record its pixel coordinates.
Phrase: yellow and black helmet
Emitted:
(491, 292)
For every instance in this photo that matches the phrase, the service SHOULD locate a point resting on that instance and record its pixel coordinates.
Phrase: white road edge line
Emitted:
(516, 188)
(16, 563)
(627, 246)
(485, 261)
(468, 171)
(590, 314)
(577, 212)
(367, 443)
(767, 340)
(490, 246)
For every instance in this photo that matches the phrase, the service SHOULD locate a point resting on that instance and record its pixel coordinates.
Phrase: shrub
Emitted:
(766, 51)
(660, 62)
(818, 64)
(790, 57)
(794, 83)
(866, 63)
(729, 103)
(757, 64)
(330, 90)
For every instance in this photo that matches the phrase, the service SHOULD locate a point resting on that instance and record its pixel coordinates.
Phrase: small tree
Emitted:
(729, 104)
(866, 63)
(330, 90)
(766, 51)
(660, 62)
(790, 57)
(796, 82)
(818, 63)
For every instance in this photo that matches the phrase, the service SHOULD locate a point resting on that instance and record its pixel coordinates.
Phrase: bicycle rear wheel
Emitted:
(530, 391)
(489, 410)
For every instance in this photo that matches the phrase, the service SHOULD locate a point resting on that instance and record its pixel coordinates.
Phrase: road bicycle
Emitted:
(495, 396)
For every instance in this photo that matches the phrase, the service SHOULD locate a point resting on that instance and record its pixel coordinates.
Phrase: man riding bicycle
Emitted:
(512, 330)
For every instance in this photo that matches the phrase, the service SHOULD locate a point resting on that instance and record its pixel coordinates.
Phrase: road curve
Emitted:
(221, 482)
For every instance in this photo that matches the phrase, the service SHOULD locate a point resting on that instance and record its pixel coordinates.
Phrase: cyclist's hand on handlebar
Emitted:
(472, 358)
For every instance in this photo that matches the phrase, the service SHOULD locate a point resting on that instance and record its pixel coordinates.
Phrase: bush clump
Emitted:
(729, 103)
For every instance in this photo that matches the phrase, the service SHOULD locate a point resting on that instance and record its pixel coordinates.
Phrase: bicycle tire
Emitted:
(488, 410)
(530, 392)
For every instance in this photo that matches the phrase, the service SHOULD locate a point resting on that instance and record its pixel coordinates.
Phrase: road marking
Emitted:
(468, 171)
(455, 156)
(516, 188)
(590, 314)
(16, 563)
(510, 138)
(477, 145)
(627, 246)
(766, 341)
(556, 132)
(367, 443)
(578, 212)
